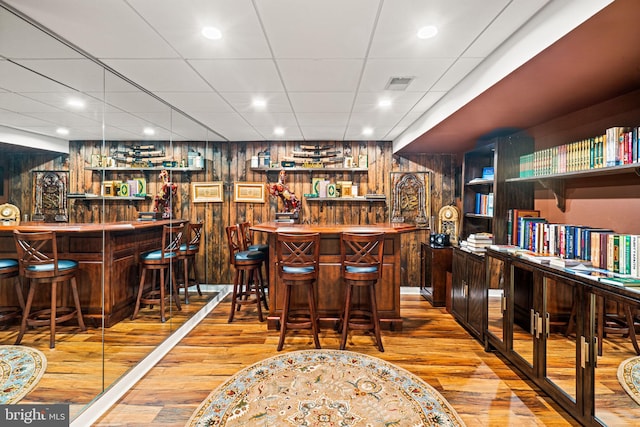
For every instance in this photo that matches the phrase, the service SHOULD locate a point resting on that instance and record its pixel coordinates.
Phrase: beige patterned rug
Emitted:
(629, 377)
(20, 370)
(322, 388)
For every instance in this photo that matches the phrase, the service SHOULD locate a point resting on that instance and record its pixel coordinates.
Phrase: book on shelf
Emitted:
(488, 173)
(537, 257)
(513, 222)
(527, 233)
(569, 263)
(621, 281)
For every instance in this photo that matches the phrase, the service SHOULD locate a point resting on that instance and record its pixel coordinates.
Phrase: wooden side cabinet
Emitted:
(434, 265)
(468, 296)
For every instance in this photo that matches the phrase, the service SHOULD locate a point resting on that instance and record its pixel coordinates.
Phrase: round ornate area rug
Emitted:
(323, 388)
(629, 377)
(20, 370)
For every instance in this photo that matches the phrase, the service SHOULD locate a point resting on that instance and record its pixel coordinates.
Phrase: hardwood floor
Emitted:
(479, 385)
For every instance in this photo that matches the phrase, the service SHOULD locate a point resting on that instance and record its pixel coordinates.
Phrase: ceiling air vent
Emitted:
(398, 83)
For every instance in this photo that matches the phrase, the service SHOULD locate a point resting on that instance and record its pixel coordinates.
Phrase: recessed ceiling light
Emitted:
(149, 131)
(259, 103)
(211, 33)
(384, 103)
(367, 131)
(427, 32)
(62, 131)
(75, 103)
(278, 131)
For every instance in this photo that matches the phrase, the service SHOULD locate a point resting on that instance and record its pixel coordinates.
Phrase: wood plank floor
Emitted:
(479, 385)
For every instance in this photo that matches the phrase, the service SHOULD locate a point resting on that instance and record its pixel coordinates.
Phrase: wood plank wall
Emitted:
(230, 162)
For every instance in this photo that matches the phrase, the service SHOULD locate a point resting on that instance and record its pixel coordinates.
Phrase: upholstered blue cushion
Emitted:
(297, 270)
(249, 256)
(156, 255)
(183, 247)
(259, 247)
(8, 263)
(352, 269)
(63, 264)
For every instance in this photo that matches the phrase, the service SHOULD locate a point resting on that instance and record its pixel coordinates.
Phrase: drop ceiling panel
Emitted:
(322, 75)
(196, 101)
(134, 102)
(21, 104)
(327, 29)
(458, 23)
(276, 102)
(323, 133)
(401, 102)
(18, 79)
(79, 74)
(106, 29)
(170, 75)
(261, 119)
(180, 23)
(322, 119)
(290, 134)
(242, 75)
(322, 102)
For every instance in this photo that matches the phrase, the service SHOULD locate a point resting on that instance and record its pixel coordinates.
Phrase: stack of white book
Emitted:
(477, 243)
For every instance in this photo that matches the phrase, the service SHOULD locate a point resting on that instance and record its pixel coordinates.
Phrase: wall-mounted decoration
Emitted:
(249, 192)
(50, 196)
(207, 192)
(410, 192)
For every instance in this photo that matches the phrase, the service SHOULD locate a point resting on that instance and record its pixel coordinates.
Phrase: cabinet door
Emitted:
(459, 286)
(526, 320)
(496, 302)
(562, 334)
(476, 295)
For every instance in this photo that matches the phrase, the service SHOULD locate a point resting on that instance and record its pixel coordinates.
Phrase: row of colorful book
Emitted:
(617, 146)
(601, 248)
(484, 204)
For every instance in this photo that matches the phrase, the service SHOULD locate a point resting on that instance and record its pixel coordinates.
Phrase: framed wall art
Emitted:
(207, 191)
(249, 192)
(411, 196)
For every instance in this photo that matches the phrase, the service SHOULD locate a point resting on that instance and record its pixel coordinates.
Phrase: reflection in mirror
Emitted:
(615, 352)
(97, 140)
(523, 313)
(561, 369)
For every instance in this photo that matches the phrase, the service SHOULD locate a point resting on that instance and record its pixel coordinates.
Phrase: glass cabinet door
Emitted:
(496, 300)
(526, 320)
(560, 332)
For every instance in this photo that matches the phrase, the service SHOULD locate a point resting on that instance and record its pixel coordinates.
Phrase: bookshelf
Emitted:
(485, 201)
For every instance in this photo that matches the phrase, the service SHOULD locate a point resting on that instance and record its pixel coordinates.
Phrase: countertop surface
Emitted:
(64, 227)
(283, 227)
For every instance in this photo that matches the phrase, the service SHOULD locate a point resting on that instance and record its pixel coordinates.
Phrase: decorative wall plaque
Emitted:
(410, 198)
(50, 196)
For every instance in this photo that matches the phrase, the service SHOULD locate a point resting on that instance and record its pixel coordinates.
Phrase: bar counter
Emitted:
(329, 291)
(114, 247)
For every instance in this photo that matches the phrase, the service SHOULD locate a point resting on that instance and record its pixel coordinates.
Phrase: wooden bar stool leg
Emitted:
(52, 326)
(255, 285)
(632, 328)
(285, 315)
(162, 288)
(140, 288)
(76, 301)
(234, 296)
(313, 314)
(374, 316)
(176, 291)
(345, 318)
(27, 311)
(195, 275)
(185, 270)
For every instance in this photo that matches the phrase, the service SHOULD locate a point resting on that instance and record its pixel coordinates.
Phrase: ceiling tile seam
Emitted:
(275, 64)
(475, 39)
(364, 66)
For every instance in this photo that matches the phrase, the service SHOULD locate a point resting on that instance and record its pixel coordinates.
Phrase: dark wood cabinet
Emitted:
(434, 265)
(468, 300)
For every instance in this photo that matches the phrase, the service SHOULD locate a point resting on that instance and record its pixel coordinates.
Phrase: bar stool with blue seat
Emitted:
(248, 285)
(247, 235)
(361, 256)
(40, 266)
(162, 260)
(9, 269)
(298, 266)
(187, 255)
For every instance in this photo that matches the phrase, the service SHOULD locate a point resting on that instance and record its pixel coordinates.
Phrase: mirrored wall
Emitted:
(118, 153)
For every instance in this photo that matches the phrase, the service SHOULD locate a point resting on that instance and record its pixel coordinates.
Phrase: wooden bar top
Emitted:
(63, 227)
(283, 227)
